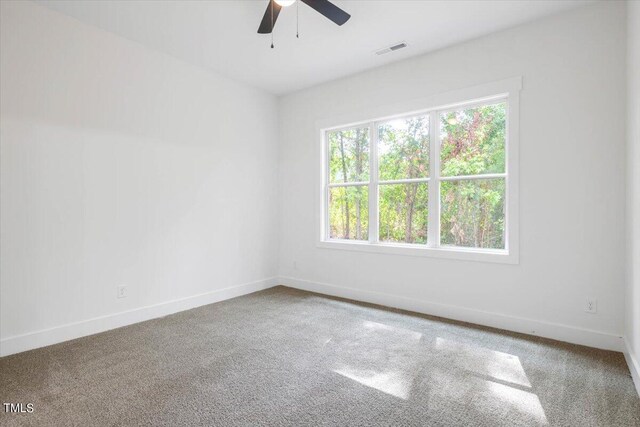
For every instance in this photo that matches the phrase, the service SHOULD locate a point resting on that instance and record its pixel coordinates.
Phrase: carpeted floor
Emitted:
(283, 357)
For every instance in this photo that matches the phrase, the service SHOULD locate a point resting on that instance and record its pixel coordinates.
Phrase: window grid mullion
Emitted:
(473, 177)
(325, 189)
(373, 183)
(348, 184)
(433, 228)
(404, 181)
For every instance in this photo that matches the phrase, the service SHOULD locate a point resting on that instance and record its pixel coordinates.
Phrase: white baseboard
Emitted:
(29, 341)
(554, 331)
(634, 366)
(19, 343)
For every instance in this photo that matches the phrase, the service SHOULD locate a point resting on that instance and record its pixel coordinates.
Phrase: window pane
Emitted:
(473, 140)
(404, 212)
(403, 148)
(349, 155)
(472, 213)
(349, 212)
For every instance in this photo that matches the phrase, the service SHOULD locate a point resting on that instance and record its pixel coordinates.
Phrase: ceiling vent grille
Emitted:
(392, 48)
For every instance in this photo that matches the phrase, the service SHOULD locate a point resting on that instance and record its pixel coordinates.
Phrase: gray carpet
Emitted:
(283, 357)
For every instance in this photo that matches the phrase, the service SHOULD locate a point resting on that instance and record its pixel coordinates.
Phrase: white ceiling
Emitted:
(222, 35)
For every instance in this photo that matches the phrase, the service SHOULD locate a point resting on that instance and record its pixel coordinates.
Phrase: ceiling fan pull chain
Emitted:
(272, 6)
(298, 20)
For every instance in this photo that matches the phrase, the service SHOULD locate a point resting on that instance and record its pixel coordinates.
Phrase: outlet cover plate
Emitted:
(591, 305)
(122, 291)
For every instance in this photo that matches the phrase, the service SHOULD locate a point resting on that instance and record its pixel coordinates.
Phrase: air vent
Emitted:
(393, 48)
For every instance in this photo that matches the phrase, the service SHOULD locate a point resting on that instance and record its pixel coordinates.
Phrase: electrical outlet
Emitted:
(122, 291)
(591, 306)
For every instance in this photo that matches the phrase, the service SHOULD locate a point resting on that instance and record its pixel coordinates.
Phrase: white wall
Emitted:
(572, 116)
(121, 165)
(632, 330)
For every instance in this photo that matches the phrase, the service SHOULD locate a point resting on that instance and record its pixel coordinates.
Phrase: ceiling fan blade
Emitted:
(329, 10)
(267, 24)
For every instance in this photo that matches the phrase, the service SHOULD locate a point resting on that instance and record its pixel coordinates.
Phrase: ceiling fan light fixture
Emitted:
(284, 3)
(323, 7)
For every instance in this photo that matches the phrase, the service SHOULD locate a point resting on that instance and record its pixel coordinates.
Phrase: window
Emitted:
(423, 183)
(472, 176)
(349, 183)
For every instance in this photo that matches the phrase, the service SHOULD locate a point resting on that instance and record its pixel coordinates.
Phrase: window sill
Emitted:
(466, 254)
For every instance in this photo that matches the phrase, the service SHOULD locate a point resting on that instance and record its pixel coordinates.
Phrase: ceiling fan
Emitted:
(324, 7)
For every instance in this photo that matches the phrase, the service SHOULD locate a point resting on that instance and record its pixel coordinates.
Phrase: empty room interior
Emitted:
(320, 213)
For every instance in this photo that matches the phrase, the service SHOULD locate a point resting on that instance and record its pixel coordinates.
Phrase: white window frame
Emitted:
(502, 91)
